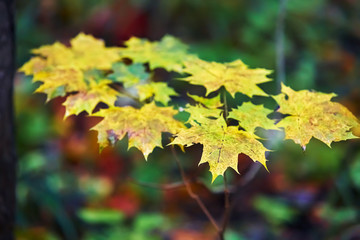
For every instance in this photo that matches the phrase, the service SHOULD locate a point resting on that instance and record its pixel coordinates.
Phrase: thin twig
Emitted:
(279, 41)
(226, 215)
(192, 194)
(162, 187)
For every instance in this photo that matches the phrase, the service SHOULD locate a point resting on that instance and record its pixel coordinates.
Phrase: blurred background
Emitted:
(67, 190)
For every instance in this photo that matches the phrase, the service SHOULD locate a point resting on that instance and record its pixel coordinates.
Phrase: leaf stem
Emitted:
(227, 208)
(225, 105)
(194, 195)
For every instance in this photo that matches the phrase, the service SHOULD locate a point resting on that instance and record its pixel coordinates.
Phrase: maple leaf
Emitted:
(87, 100)
(86, 52)
(312, 114)
(168, 53)
(251, 116)
(33, 66)
(129, 75)
(65, 80)
(201, 114)
(234, 76)
(221, 145)
(143, 126)
(207, 102)
(160, 90)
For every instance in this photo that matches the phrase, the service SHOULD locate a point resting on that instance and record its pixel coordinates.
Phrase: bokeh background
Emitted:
(67, 190)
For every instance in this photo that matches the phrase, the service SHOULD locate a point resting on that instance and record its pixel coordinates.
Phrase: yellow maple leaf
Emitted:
(143, 126)
(87, 100)
(312, 114)
(208, 102)
(159, 90)
(33, 66)
(221, 145)
(251, 116)
(234, 76)
(201, 114)
(168, 53)
(90, 52)
(71, 80)
(86, 52)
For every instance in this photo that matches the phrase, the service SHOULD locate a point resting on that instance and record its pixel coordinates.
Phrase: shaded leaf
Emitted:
(129, 75)
(101, 216)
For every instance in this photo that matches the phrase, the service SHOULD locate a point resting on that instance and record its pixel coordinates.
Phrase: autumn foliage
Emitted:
(89, 73)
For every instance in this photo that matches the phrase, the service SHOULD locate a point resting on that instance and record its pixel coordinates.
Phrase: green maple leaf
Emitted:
(221, 144)
(234, 76)
(129, 75)
(312, 114)
(251, 116)
(143, 126)
(159, 90)
(168, 53)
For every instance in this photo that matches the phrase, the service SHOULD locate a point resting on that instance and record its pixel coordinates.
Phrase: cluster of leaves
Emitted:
(89, 73)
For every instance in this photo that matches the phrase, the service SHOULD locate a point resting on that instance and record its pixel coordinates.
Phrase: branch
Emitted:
(192, 194)
(279, 41)
(227, 208)
(162, 187)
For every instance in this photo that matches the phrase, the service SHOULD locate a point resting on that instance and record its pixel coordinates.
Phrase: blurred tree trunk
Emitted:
(7, 148)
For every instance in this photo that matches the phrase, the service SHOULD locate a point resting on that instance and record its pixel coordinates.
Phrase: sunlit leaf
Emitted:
(221, 145)
(312, 114)
(143, 126)
(234, 76)
(168, 53)
(87, 100)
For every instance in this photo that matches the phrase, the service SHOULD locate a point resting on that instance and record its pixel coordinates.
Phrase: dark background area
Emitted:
(67, 190)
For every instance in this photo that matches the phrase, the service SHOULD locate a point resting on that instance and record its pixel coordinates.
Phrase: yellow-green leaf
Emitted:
(160, 90)
(201, 114)
(71, 80)
(221, 145)
(207, 102)
(234, 76)
(251, 116)
(143, 126)
(87, 100)
(312, 114)
(168, 53)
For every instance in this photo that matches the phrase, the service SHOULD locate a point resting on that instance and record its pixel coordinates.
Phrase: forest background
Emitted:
(67, 190)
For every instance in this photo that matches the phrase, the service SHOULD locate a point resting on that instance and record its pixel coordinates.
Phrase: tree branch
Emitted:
(279, 41)
(192, 194)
